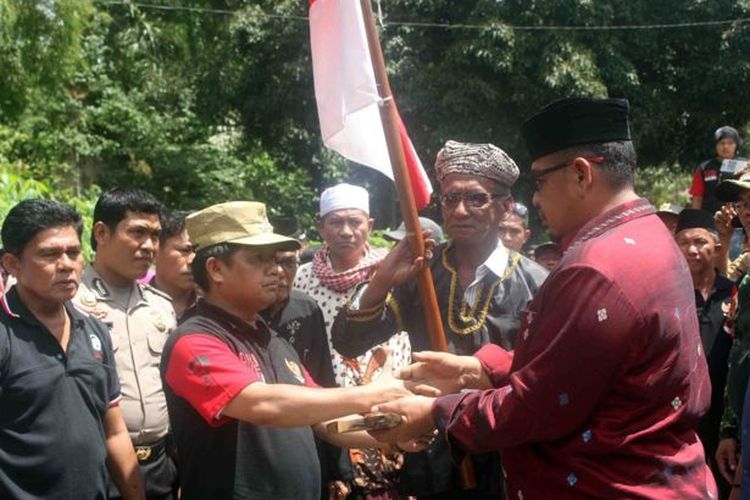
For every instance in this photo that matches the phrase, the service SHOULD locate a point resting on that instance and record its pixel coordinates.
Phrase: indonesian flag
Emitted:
(347, 95)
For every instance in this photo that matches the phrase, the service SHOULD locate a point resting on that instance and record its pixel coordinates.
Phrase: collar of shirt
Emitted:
(496, 264)
(229, 321)
(620, 214)
(17, 309)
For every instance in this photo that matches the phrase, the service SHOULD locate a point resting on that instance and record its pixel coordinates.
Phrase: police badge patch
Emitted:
(295, 370)
(96, 345)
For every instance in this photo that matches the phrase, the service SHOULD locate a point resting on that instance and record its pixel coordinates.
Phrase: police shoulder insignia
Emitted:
(98, 285)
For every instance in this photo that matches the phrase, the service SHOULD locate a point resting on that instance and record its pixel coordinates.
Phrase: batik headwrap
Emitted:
(482, 160)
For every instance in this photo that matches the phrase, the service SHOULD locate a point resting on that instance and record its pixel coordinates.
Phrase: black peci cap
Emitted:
(286, 225)
(570, 122)
(691, 218)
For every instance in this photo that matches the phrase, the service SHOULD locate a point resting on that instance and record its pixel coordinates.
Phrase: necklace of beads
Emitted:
(466, 312)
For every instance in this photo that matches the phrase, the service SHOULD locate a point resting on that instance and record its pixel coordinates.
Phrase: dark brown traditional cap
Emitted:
(571, 122)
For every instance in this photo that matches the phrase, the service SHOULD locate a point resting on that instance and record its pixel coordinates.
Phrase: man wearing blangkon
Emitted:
(608, 379)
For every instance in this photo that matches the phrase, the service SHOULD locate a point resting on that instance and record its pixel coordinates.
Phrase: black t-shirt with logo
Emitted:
(207, 361)
(52, 405)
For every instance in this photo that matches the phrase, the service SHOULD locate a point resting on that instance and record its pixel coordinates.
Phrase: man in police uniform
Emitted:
(125, 237)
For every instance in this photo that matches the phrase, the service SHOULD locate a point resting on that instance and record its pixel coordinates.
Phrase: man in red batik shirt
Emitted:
(608, 379)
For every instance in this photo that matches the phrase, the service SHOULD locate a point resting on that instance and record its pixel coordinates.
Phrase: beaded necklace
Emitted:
(470, 322)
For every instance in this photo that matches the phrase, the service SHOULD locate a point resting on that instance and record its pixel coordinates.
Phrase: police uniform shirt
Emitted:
(52, 405)
(140, 319)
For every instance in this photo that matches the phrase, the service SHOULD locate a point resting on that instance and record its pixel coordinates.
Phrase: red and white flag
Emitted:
(347, 96)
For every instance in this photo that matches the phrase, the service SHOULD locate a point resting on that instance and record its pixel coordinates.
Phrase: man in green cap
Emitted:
(241, 403)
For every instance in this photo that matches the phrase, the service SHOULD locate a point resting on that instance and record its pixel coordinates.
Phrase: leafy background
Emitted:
(211, 100)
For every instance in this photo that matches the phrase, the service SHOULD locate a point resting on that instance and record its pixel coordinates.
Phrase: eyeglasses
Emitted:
(264, 259)
(538, 176)
(470, 200)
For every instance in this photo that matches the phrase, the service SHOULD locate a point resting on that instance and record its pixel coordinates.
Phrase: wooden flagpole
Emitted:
(425, 285)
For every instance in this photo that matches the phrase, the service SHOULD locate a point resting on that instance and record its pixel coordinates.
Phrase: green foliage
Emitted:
(663, 184)
(199, 107)
(16, 185)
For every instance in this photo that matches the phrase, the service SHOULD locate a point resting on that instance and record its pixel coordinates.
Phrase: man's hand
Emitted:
(419, 444)
(727, 457)
(338, 490)
(401, 265)
(396, 268)
(386, 381)
(723, 219)
(418, 422)
(446, 372)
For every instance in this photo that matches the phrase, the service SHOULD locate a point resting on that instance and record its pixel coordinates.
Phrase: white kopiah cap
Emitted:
(344, 196)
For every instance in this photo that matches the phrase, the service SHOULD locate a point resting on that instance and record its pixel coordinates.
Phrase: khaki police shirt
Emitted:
(139, 319)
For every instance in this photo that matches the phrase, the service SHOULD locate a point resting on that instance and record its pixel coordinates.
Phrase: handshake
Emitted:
(410, 393)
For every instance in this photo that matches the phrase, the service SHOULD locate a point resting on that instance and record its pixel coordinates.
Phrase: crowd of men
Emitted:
(598, 369)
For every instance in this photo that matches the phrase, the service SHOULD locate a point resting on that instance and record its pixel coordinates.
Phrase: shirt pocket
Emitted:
(156, 340)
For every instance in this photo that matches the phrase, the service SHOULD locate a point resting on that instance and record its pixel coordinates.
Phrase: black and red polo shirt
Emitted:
(207, 361)
(706, 179)
(52, 405)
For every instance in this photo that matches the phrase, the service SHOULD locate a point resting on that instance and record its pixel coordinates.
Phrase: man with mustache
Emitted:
(481, 287)
(608, 380)
(125, 236)
(343, 263)
(61, 426)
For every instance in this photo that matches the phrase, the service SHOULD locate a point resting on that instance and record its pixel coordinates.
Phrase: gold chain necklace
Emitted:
(466, 312)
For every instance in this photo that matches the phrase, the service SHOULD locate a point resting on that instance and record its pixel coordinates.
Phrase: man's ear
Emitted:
(101, 232)
(11, 263)
(584, 171)
(370, 225)
(215, 270)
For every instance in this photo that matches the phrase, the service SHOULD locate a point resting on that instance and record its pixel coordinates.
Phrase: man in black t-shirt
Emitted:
(240, 402)
(708, 174)
(59, 391)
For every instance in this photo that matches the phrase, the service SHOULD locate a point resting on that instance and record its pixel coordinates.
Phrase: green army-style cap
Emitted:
(731, 189)
(235, 222)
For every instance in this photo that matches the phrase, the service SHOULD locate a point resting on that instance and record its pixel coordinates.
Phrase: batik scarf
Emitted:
(344, 280)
